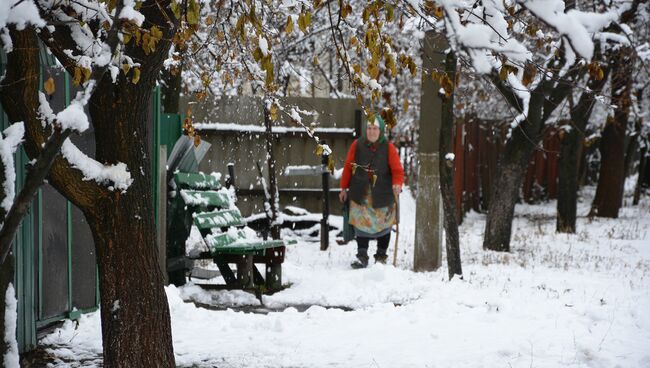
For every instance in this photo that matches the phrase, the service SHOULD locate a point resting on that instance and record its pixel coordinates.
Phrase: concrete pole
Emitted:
(428, 214)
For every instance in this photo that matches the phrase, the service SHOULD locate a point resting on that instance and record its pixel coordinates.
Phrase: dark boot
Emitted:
(361, 262)
(362, 253)
(382, 248)
(381, 258)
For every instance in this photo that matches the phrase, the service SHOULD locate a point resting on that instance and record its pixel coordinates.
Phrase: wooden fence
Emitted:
(476, 146)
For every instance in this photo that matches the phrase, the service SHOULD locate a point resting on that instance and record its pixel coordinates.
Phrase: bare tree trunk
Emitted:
(514, 159)
(639, 181)
(274, 201)
(447, 176)
(609, 193)
(571, 153)
(134, 308)
(505, 192)
(567, 192)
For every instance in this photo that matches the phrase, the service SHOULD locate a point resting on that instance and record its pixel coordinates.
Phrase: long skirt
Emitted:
(371, 222)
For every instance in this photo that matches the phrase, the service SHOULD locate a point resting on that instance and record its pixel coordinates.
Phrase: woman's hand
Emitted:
(343, 195)
(397, 189)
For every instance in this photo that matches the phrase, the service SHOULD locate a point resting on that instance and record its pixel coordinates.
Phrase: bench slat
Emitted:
(219, 218)
(197, 181)
(207, 198)
(226, 243)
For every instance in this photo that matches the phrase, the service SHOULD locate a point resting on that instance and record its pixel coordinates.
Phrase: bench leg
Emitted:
(257, 276)
(245, 272)
(273, 276)
(226, 272)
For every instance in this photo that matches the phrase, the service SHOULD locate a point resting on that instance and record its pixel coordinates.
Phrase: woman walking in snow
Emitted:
(372, 180)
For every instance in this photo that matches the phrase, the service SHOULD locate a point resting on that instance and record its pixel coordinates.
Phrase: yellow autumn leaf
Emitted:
(274, 112)
(176, 9)
(193, 11)
(86, 72)
(319, 150)
(406, 105)
(156, 33)
(136, 76)
(330, 164)
(126, 68)
(302, 24)
(49, 86)
(390, 12)
(289, 27)
(76, 78)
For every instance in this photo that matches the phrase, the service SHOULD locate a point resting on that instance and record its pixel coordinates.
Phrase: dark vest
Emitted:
(382, 191)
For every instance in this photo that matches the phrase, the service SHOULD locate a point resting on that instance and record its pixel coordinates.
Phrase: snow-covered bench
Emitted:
(201, 201)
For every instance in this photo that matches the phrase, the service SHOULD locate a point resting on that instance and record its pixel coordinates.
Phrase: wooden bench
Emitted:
(201, 201)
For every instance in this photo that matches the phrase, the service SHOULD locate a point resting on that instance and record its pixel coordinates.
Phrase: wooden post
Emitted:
(428, 219)
(231, 177)
(324, 224)
(162, 212)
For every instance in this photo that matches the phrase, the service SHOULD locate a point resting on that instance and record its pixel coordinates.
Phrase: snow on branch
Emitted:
(19, 13)
(9, 141)
(115, 176)
(576, 26)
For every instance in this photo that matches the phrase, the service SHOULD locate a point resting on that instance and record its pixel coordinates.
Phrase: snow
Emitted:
(73, 117)
(264, 46)
(556, 300)
(129, 13)
(19, 13)
(11, 358)
(251, 128)
(9, 141)
(115, 176)
(574, 25)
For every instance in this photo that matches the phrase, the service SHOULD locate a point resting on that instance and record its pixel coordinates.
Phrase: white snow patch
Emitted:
(11, 357)
(9, 141)
(116, 176)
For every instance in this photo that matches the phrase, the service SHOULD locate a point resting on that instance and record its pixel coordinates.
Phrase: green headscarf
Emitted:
(382, 130)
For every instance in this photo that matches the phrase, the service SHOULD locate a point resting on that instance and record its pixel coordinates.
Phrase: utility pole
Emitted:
(428, 214)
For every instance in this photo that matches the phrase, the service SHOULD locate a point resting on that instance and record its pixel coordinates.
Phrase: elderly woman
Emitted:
(372, 179)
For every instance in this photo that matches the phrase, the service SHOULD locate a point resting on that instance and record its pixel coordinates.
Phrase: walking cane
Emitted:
(396, 230)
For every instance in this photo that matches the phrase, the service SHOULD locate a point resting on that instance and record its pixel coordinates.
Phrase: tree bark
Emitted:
(571, 153)
(513, 162)
(567, 189)
(446, 168)
(609, 193)
(505, 192)
(639, 180)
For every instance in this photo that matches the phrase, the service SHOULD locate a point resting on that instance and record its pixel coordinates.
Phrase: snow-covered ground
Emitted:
(556, 300)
